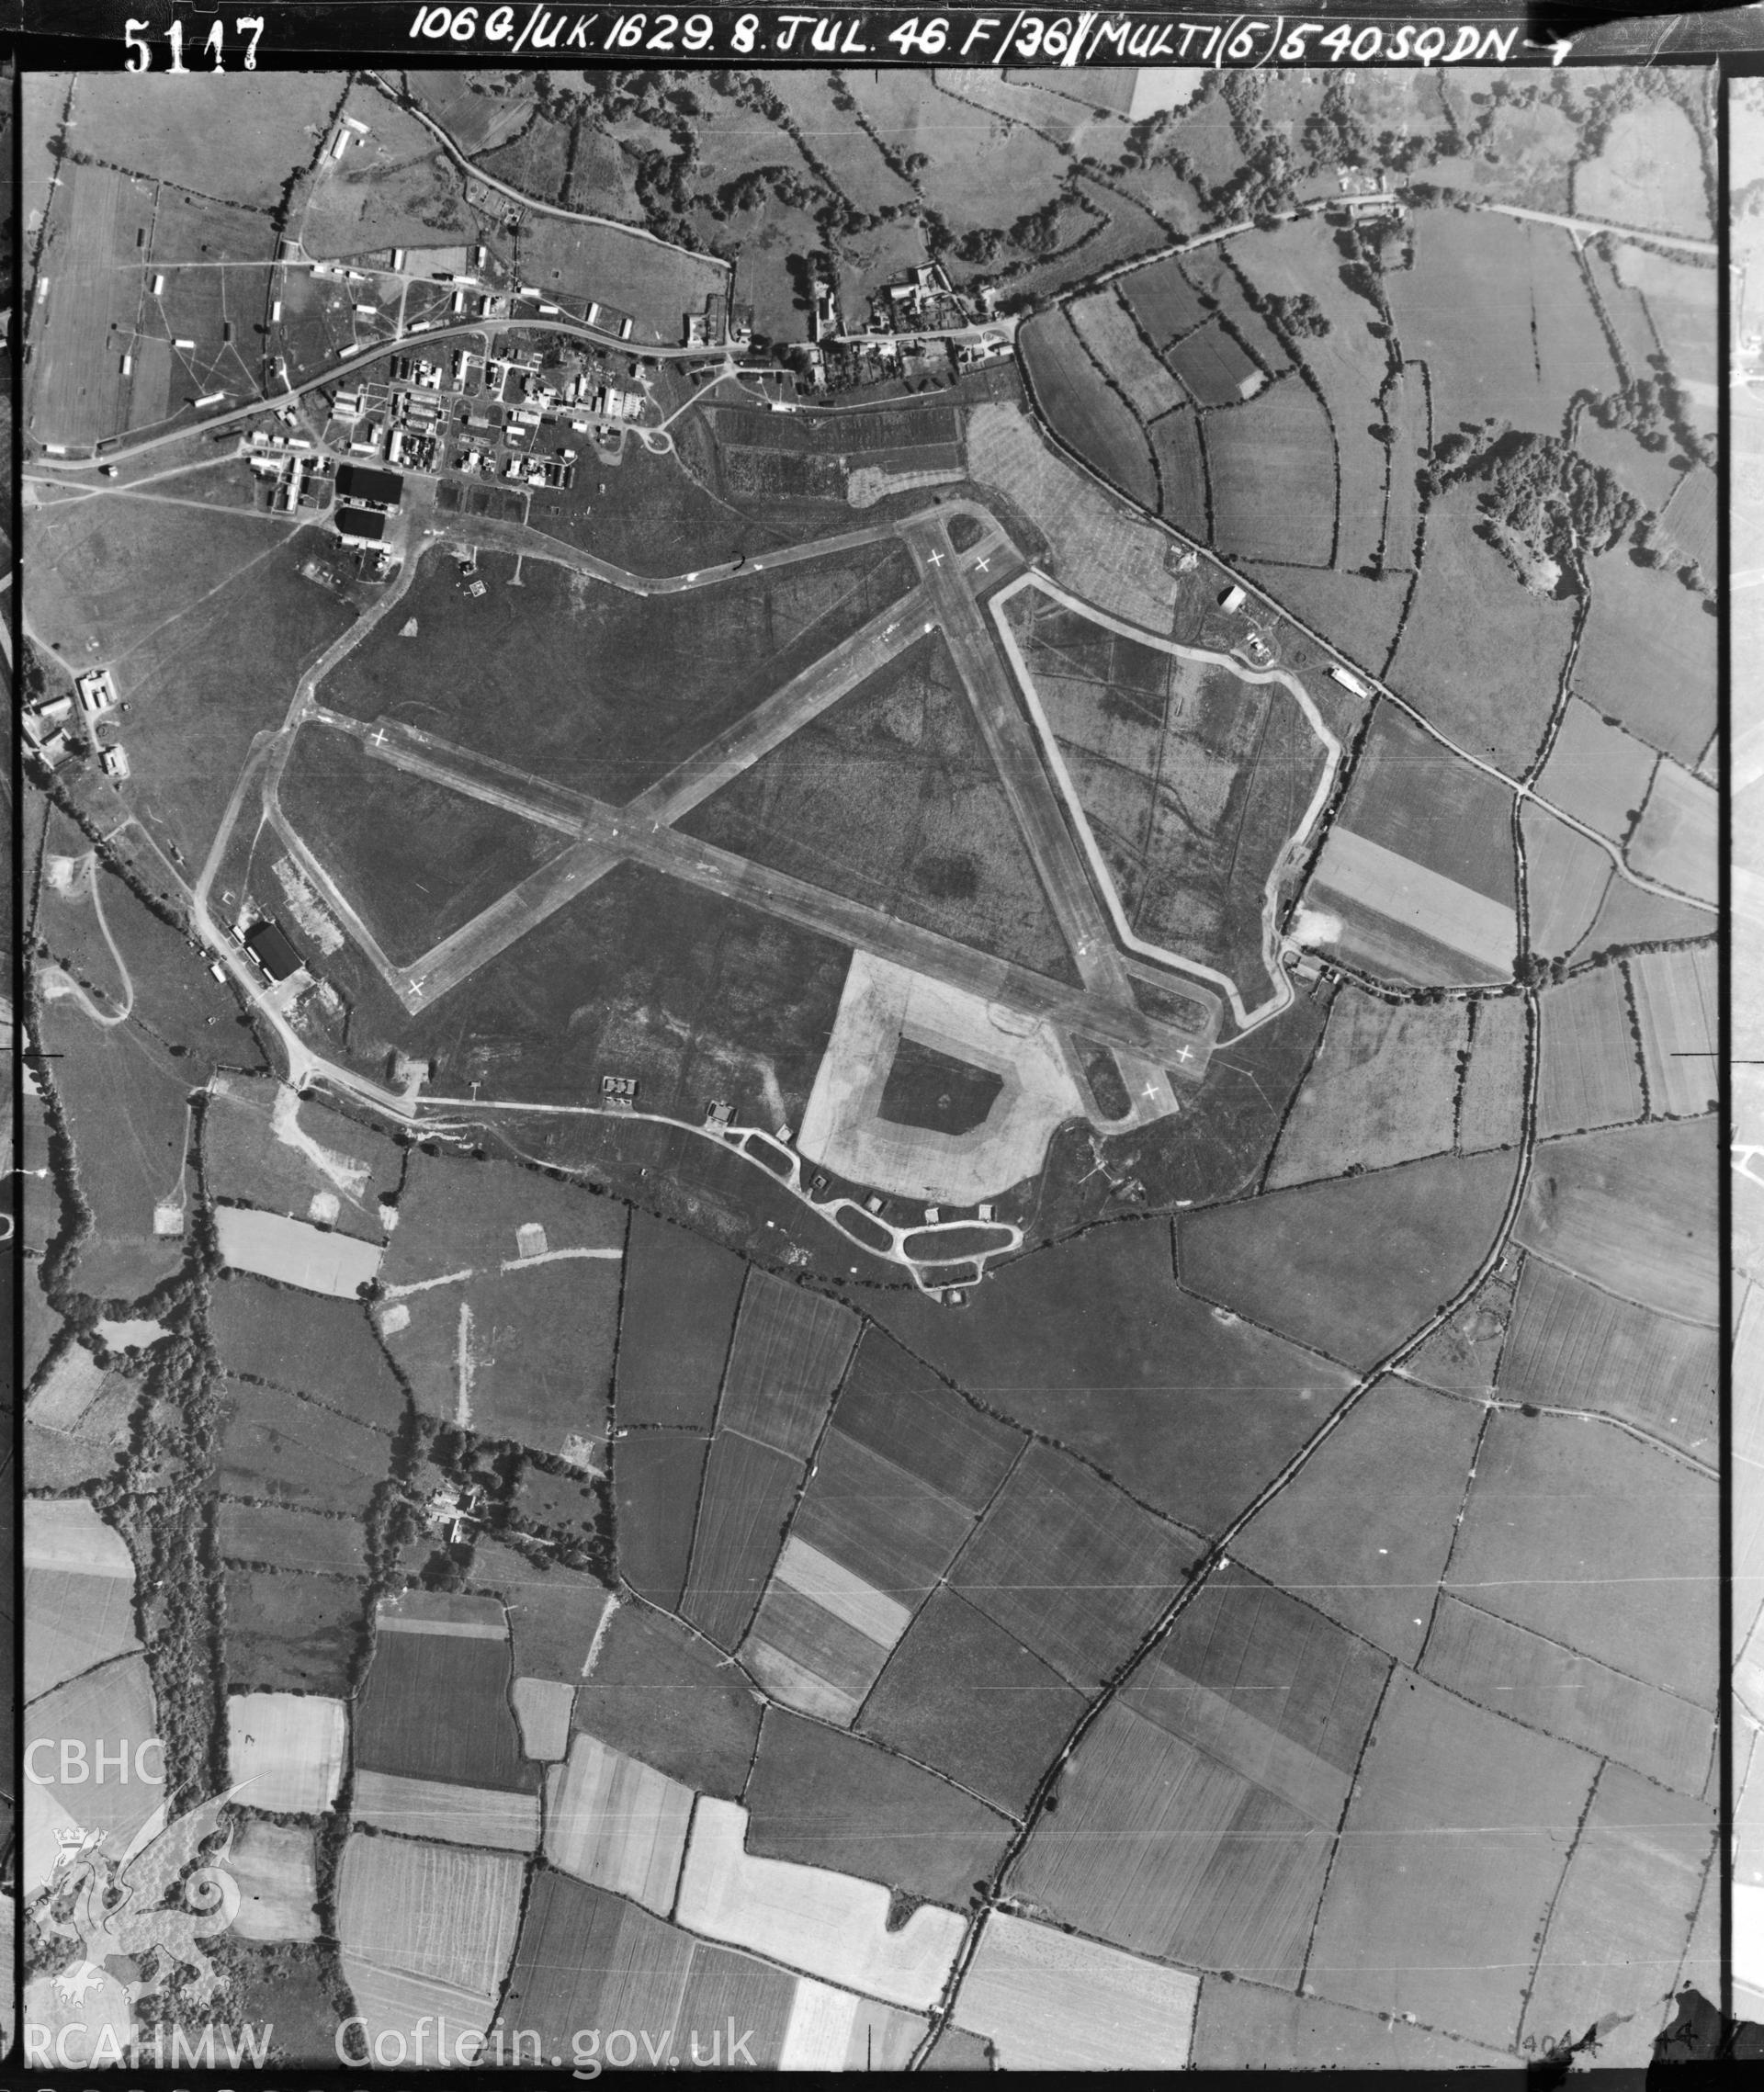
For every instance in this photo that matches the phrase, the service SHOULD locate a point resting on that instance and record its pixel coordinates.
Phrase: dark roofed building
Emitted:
(364, 483)
(270, 948)
(360, 525)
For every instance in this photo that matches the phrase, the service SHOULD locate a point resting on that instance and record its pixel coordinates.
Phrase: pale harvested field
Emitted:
(273, 1865)
(1050, 2001)
(1488, 1107)
(443, 1913)
(79, 1592)
(1597, 772)
(617, 1825)
(1588, 1074)
(395, 2001)
(1103, 555)
(287, 1750)
(1380, 1090)
(1512, 1671)
(1566, 877)
(542, 1707)
(831, 1925)
(294, 1252)
(442, 1809)
(1105, 327)
(68, 1391)
(1418, 899)
(832, 2030)
(848, 1598)
(1622, 1921)
(1676, 840)
(1676, 1005)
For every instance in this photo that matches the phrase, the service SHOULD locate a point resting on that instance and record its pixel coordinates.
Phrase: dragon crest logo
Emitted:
(154, 1908)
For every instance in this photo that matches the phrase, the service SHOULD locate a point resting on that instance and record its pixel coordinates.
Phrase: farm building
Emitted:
(365, 484)
(269, 944)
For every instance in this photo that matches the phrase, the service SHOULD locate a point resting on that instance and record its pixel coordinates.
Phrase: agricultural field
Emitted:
(890, 797)
(790, 1351)
(1649, 173)
(1567, 875)
(897, 1533)
(1106, 326)
(113, 1704)
(1632, 1210)
(1094, 1343)
(1572, 1346)
(1256, 456)
(1596, 771)
(1589, 1069)
(420, 1662)
(938, 1701)
(1675, 996)
(840, 1802)
(1045, 1999)
(617, 1824)
(323, 1349)
(291, 1632)
(1494, 702)
(1647, 657)
(289, 1538)
(273, 1865)
(1243, 2026)
(79, 1593)
(238, 137)
(656, 1480)
(661, 1693)
(118, 1079)
(675, 1320)
(1382, 1089)
(281, 1449)
(1415, 1920)
(745, 1502)
(289, 1747)
(1675, 840)
(1372, 1565)
(1353, 1267)
(1621, 1569)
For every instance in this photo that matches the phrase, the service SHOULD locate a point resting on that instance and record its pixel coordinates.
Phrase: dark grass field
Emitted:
(675, 1325)
(1161, 1850)
(1211, 364)
(284, 1451)
(790, 1351)
(1271, 466)
(656, 1479)
(828, 1800)
(926, 1088)
(1372, 1561)
(1647, 656)
(239, 137)
(748, 1492)
(1411, 796)
(896, 1532)
(890, 797)
(125, 1105)
(306, 1341)
(1181, 471)
(413, 1678)
(1164, 301)
(415, 860)
(1071, 1566)
(290, 1537)
(291, 1632)
(898, 1408)
(1082, 409)
(590, 687)
(1351, 1267)
(1493, 701)
(454, 1213)
(581, 1951)
(962, 1695)
(664, 1694)
(1094, 1344)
